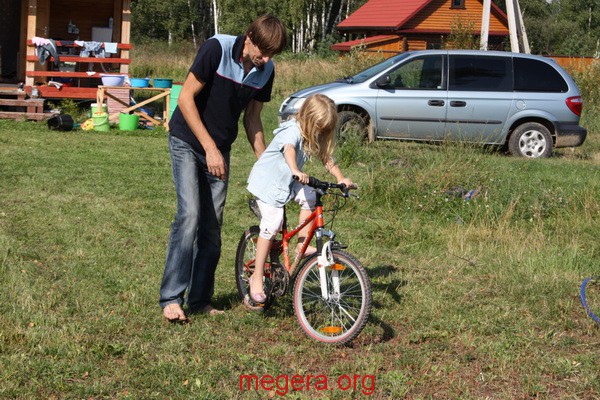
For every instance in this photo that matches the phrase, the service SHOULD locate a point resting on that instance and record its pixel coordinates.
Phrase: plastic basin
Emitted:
(163, 83)
(112, 80)
(139, 82)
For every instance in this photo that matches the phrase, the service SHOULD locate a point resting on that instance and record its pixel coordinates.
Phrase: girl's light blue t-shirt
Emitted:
(271, 178)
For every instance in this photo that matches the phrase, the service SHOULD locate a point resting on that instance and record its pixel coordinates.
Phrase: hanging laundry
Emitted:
(45, 48)
(90, 47)
(110, 47)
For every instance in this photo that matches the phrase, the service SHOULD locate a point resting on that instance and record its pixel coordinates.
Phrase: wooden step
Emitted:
(10, 92)
(33, 106)
(21, 116)
(22, 103)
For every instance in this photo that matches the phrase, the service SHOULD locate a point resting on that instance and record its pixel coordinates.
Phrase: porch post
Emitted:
(125, 33)
(31, 29)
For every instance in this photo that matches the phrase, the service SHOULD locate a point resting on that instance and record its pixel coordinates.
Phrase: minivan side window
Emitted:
(476, 73)
(423, 72)
(537, 76)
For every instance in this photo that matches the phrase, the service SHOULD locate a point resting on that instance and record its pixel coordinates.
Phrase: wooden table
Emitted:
(163, 94)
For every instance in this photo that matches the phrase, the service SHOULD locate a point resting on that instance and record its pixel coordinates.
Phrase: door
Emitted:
(9, 39)
(413, 103)
(479, 97)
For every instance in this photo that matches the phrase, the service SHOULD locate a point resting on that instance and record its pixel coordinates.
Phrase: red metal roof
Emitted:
(388, 14)
(383, 14)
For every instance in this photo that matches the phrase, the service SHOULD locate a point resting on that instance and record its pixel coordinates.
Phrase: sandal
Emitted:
(257, 297)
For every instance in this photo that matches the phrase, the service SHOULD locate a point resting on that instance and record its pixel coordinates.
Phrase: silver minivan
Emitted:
(526, 103)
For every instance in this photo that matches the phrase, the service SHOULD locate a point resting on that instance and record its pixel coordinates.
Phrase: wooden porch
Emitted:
(67, 73)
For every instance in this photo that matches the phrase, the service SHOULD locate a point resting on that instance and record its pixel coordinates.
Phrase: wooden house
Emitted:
(393, 26)
(68, 23)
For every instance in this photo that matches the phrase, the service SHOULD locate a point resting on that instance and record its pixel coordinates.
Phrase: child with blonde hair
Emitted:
(310, 134)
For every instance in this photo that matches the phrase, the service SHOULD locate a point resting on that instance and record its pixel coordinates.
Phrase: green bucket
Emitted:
(100, 120)
(175, 90)
(128, 122)
(95, 108)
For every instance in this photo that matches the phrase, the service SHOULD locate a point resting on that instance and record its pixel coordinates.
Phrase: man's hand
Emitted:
(216, 164)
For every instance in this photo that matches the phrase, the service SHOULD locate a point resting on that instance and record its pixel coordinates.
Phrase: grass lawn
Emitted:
(472, 299)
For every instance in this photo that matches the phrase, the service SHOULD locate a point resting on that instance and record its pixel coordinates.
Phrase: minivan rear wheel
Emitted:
(351, 127)
(531, 140)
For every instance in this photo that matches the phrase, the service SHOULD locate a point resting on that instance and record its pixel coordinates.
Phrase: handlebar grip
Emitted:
(312, 181)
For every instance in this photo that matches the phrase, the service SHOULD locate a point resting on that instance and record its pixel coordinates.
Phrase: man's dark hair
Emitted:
(268, 34)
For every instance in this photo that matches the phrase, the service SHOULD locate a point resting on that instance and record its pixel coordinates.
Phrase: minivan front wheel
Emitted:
(532, 140)
(351, 127)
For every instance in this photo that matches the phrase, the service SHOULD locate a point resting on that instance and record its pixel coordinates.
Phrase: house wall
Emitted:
(439, 16)
(84, 14)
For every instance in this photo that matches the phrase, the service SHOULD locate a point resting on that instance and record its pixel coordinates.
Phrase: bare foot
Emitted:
(210, 310)
(174, 313)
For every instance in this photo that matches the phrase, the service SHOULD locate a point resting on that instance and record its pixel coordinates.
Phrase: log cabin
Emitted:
(393, 26)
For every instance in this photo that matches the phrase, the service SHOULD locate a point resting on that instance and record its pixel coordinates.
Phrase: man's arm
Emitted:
(214, 159)
(254, 127)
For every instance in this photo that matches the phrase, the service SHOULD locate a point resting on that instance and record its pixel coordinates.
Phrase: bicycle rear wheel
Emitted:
(244, 267)
(340, 318)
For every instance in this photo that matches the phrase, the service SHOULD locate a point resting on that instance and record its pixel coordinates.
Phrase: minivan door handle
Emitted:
(436, 103)
(458, 104)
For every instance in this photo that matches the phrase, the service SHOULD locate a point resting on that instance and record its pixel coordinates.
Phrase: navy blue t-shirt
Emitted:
(226, 91)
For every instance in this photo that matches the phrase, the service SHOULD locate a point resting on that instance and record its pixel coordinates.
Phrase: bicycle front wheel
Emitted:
(337, 311)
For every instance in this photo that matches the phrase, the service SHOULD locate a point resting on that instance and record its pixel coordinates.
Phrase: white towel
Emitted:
(40, 41)
(110, 47)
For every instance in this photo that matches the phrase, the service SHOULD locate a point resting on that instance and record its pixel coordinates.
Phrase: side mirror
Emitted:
(383, 81)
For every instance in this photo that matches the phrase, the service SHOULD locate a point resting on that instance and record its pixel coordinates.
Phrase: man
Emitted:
(229, 75)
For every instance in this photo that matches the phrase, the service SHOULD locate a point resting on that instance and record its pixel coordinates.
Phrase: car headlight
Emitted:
(289, 107)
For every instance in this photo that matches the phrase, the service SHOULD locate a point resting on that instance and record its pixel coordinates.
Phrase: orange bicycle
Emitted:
(332, 292)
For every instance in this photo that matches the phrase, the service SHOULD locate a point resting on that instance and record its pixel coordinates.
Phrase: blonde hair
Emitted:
(318, 122)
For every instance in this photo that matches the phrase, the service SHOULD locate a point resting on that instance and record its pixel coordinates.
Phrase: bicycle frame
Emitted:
(317, 228)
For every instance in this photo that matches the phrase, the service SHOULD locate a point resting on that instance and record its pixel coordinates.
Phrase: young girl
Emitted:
(271, 179)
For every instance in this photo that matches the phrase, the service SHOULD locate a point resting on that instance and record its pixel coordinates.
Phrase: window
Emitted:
(480, 73)
(419, 73)
(458, 4)
(537, 76)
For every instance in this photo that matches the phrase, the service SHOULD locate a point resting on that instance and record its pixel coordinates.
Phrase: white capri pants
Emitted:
(272, 217)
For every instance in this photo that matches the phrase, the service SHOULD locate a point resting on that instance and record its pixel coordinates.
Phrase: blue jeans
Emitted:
(195, 241)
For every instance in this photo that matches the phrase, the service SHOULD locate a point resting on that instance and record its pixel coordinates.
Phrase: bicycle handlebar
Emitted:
(323, 185)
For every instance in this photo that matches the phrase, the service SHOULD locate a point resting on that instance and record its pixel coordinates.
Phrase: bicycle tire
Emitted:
(244, 267)
(583, 297)
(339, 319)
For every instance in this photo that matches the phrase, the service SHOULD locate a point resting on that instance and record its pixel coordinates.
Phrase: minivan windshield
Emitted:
(375, 69)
